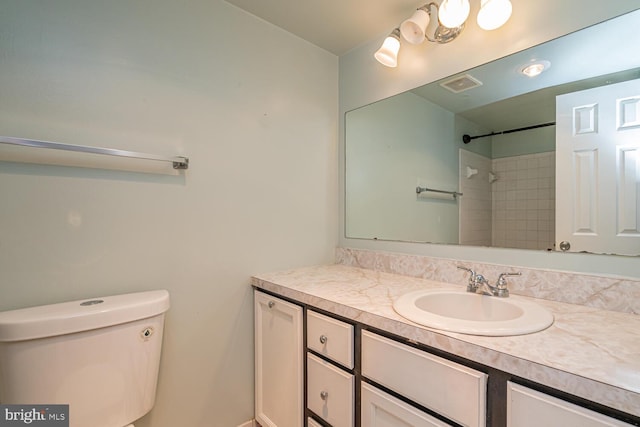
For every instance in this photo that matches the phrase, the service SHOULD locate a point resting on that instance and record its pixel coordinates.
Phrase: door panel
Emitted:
(598, 169)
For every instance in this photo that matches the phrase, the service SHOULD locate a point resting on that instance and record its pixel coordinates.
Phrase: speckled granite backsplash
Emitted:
(602, 292)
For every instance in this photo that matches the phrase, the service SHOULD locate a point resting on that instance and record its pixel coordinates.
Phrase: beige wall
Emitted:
(253, 107)
(363, 80)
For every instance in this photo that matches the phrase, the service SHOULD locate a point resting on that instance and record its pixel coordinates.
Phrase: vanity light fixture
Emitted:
(536, 68)
(451, 15)
(388, 52)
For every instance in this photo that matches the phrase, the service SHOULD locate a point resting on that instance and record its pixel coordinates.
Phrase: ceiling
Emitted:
(507, 99)
(334, 25)
(339, 26)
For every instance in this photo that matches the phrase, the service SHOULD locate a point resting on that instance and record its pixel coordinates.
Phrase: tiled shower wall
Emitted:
(523, 201)
(516, 210)
(475, 204)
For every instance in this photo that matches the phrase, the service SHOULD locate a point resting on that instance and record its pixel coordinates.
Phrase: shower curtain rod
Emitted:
(467, 139)
(178, 161)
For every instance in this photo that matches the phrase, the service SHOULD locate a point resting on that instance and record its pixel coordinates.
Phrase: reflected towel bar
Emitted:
(178, 161)
(423, 189)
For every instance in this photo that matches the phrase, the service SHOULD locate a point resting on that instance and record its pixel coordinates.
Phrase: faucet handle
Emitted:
(473, 273)
(502, 281)
(472, 285)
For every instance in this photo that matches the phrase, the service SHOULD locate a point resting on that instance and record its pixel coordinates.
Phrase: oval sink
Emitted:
(475, 314)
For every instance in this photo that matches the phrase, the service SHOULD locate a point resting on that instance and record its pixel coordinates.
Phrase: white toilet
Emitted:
(100, 356)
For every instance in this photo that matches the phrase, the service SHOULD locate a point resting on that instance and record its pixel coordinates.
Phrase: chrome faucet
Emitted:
(478, 283)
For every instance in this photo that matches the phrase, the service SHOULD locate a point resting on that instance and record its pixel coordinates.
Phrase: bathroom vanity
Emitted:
(348, 359)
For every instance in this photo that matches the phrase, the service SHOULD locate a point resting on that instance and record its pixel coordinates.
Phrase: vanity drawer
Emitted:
(530, 408)
(330, 337)
(448, 388)
(329, 392)
(380, 409)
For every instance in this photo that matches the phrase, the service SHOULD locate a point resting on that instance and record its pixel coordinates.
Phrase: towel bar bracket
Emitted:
(181, 164)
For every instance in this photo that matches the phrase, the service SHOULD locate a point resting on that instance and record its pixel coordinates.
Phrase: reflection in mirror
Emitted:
(507, 180)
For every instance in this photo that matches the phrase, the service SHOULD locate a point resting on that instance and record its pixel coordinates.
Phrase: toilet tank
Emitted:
(100, 356)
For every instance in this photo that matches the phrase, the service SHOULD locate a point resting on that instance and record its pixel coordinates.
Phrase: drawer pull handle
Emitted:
(323, 339)
(271, 304)
(324, 395)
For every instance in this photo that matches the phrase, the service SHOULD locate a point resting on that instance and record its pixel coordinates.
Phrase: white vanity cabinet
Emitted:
(330, 392)
(279, 362)
(445, 387)
(380, 409)
(531, 408)
(331, 338)
(351, 375)
(330, 386)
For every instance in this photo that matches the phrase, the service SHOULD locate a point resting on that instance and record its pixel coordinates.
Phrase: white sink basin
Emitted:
(475, 314)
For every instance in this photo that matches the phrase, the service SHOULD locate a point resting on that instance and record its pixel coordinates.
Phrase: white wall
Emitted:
(363, 80)
(253, 107)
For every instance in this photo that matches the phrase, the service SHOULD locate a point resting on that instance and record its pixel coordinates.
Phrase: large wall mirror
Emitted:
(550, 162)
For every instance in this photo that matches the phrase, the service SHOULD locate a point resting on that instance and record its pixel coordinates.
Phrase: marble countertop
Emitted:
(587, 352)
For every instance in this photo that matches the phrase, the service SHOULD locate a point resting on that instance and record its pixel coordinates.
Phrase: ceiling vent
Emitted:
(461, 83)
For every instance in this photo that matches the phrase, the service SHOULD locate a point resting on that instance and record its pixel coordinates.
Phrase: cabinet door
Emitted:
(380, 409)
(530, 408)
(278, 362)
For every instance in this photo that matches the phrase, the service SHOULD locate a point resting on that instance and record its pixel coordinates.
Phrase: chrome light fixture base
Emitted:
(444, 35)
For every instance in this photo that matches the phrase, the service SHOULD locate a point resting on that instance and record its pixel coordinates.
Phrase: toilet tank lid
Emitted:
(82, 315)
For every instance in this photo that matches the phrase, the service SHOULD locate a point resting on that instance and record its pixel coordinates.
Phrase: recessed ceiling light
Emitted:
(536, 68)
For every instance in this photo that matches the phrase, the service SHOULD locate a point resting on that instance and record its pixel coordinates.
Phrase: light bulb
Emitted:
(453, 13)
(413, 29)
(494, 13)
(388, 53)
